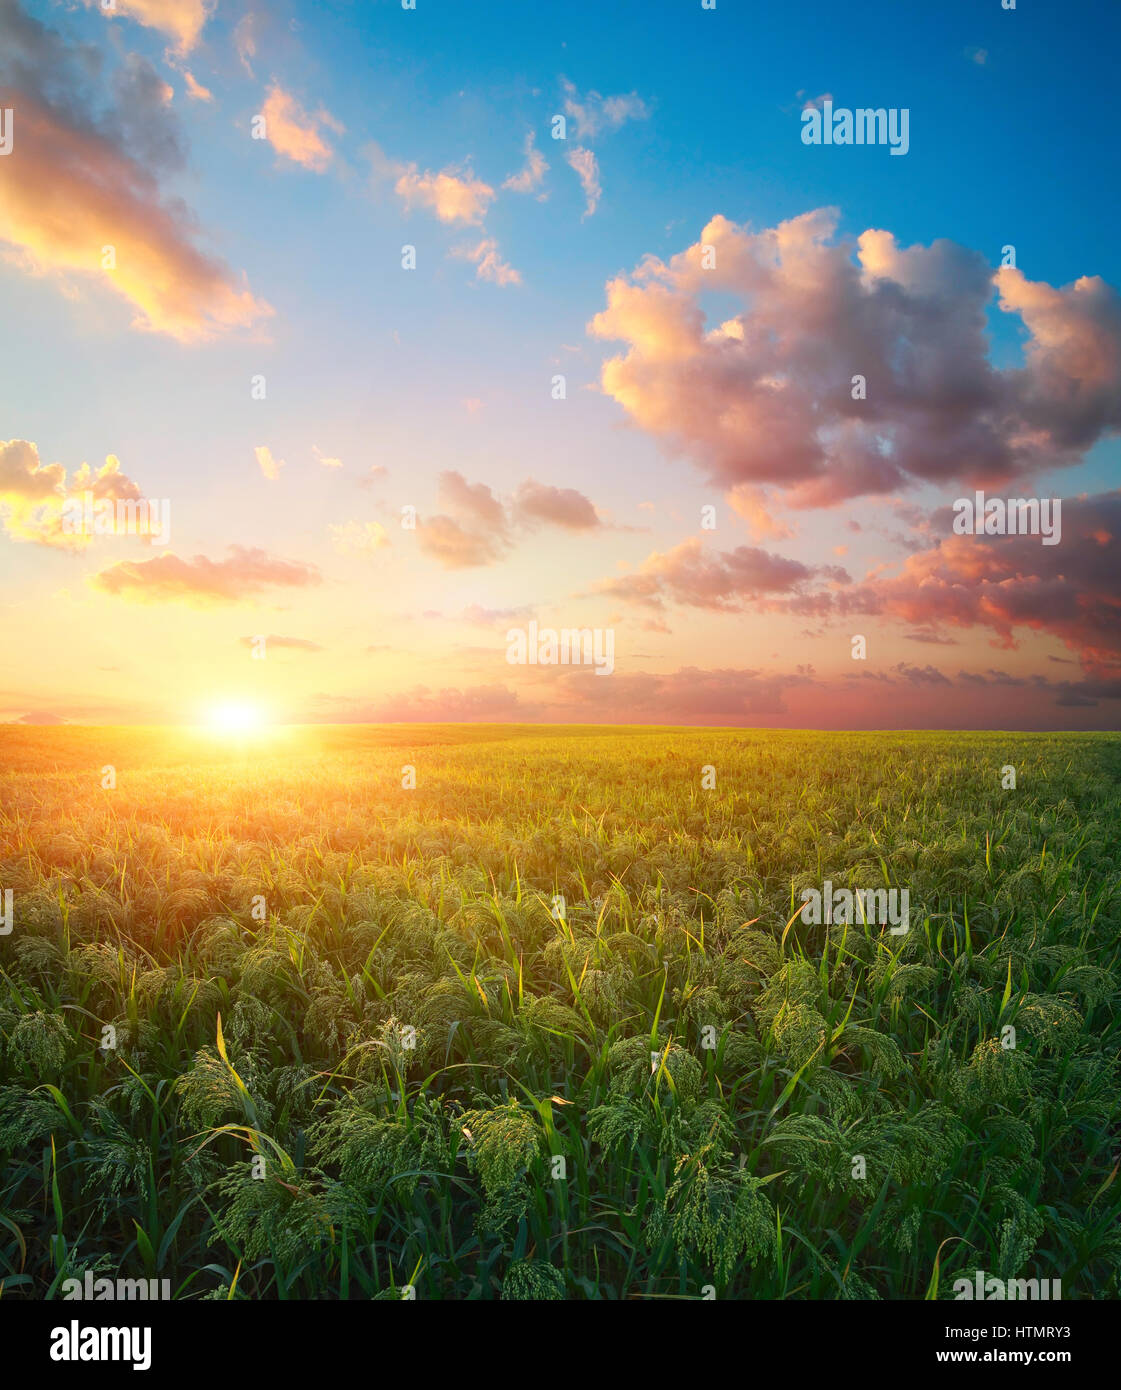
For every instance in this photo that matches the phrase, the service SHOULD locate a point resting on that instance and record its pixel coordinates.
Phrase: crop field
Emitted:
(481, 1012)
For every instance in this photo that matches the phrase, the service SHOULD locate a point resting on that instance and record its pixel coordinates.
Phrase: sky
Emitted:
(349, 350)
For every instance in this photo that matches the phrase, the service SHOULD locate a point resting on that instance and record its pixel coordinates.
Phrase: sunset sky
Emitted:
(687, 385)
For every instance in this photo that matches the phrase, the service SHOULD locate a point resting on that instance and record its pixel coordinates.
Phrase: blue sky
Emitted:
(438, 370)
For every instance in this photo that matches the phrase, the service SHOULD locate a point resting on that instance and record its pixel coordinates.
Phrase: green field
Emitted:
(355, 1045)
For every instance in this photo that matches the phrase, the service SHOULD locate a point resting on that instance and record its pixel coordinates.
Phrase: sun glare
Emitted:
(236, 717)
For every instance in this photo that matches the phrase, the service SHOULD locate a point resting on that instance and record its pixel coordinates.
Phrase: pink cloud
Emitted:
(563, 507)
(767, 397)
(724, 581)
(1009, 583)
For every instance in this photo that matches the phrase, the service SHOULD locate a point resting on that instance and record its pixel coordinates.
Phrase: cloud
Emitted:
(200, 581)
(693, 696)
(374, 473)
(455, 546)
(453, 195)
(33, 494)
(24, 478)
(489, 265)
(80, 197)
(593, 114)
(294, 133)
(587, 170)
(269, 466)
(489, 704)
(40, 716)
(246, 34)
(563, 507)
(298, 644)
(325, 460)
(359, 537)
(531, 176)
(475, 528)
(473, 501)
(195, 90)
(686, 696)
(1008, 583)
(750, 504)
(181, 20)
(765, 397)
(478, 616)
(725, 581)
(920, 675)
(1005, 584)
(471, 531)
(934, 639)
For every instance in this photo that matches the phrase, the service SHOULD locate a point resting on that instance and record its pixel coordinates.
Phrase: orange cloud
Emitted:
(359, 537)
(196, 90)
(202, 582)
(181, 20)
(23, 476)
(33, 494)
(489, 265)
(751, 505)
(449, 196)
(80, 197)
(296, 134)
(454, 545)
(269, 466)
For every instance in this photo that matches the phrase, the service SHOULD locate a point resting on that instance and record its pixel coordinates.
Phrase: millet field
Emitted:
(277, 1024)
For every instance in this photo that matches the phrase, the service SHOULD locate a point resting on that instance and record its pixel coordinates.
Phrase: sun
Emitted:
(236, 717)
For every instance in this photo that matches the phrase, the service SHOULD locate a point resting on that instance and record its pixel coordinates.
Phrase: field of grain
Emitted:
(275, 1025)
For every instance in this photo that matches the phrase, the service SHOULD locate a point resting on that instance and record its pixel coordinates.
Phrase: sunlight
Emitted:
(236, 717)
